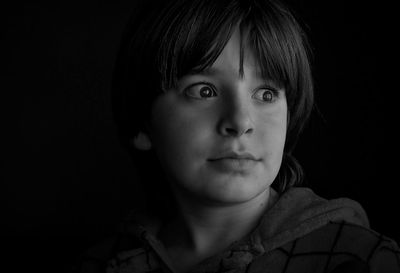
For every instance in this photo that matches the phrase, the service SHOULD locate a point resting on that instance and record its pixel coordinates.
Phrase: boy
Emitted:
(210, 98)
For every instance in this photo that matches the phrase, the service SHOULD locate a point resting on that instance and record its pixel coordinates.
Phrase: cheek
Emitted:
(180, 132)
(272, 124)
(271, 138)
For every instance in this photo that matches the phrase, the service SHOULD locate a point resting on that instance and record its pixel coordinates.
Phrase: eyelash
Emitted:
(275, 92)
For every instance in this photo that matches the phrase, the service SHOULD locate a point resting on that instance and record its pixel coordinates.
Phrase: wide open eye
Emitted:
(266, 95)
(200, 91)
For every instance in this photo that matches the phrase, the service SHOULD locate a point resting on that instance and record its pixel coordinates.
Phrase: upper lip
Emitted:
(235, 155)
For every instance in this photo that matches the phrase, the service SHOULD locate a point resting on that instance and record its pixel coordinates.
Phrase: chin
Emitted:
(238, 193)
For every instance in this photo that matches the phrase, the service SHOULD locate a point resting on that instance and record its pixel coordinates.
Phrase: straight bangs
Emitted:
(193, 41)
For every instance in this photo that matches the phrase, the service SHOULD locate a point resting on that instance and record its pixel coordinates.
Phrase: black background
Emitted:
(64, 174)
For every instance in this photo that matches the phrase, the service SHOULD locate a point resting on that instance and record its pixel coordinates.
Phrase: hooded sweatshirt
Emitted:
(301, 232)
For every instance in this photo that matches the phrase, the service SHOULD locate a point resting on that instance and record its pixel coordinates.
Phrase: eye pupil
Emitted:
(205, 92)
(267, 96)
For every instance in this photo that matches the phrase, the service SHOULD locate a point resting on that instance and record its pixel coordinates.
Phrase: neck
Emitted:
(204, 229)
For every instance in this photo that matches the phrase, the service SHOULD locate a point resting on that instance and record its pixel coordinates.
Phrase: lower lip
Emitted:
(233, 164)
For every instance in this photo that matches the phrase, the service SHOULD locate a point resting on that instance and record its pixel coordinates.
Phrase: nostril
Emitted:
(234, 132)
(250, 130)
(231, 131)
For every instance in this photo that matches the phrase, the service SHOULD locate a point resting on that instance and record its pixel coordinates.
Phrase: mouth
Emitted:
(235, 156)
(234, 162)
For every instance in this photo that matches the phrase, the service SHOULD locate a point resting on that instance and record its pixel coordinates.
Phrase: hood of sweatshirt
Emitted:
(292, 215)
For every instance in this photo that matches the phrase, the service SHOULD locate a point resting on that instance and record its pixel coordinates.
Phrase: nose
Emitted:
(236, 118)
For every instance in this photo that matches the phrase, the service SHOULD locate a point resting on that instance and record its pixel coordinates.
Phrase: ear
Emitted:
(141, 142)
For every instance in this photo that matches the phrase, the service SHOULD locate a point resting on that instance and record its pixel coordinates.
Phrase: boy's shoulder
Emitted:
(334, 247)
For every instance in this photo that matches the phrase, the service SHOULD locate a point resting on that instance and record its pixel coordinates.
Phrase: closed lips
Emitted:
(230, 155)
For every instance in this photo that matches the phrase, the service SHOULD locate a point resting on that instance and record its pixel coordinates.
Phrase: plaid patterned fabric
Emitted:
(301, 233)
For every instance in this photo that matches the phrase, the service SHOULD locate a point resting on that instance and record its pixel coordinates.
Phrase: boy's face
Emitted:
(219, 136)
